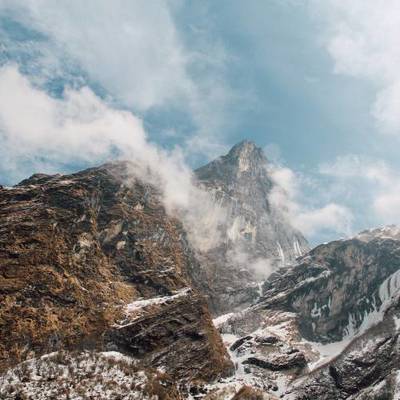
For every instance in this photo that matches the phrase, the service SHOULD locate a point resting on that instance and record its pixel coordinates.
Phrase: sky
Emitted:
(315, 83)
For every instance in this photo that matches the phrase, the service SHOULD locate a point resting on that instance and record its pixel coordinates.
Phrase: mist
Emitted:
(80, 128)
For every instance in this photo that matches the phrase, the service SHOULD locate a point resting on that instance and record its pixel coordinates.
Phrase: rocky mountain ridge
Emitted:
(256, 237)
(89, 262)
(103, 296)
(328, 328)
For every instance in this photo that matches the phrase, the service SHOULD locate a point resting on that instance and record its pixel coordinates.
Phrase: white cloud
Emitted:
(332, 217)
(261, 267)
(286, 179)
(355, 166)
(287, 198)
(131, 48)
(362, 38)
(374, 181)
(134, 51)
(42, 133)
(363, 42)
(387, 206)
(78, 128)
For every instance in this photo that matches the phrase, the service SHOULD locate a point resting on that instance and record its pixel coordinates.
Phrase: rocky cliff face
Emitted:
(336, 286)
(92, 261)
(327, 327)
(368, 369)
(255, 237)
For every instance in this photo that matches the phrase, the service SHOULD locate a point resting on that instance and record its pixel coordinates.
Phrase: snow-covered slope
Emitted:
(339, 303)
(84, 375)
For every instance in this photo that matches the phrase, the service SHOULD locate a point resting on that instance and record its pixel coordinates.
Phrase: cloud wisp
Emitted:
(380, 184)
(288, 198)
(362, 39)
(135, 53)
(41, 133)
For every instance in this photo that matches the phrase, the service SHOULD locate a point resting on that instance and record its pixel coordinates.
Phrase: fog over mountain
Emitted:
(199, 200)
(102, 282)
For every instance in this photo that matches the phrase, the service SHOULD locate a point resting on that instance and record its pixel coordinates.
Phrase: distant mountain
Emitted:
(256, 236)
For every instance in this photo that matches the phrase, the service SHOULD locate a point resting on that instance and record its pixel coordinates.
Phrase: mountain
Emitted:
(368, 368)
(241, 183)
(327, 328)
(92, 262)
(103, 294)
(340, 284)
(256, 238)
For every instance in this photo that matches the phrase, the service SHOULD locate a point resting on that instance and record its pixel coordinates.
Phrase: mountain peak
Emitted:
(244, 144)
(385, 232)
(246, 150)
(247, 156)
(243, 159)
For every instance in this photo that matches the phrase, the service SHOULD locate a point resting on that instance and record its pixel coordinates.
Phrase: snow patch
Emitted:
(115, 355)
(222, 319)
(75, 376)
(139, 304)
(297, 248)
(387, 292)
(327, 351)
(386, 232)
(396, 321)
(397, 387)
(260, 289)
(85, 241)
(317, 310)
(121, 244)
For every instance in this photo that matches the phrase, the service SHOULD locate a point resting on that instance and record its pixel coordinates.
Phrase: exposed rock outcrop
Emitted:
(336, 286)
(92, 261)
(369, 368)
(333, 317)
(255, 237)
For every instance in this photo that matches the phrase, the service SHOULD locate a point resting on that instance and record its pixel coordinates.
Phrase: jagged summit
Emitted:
(244, 160)
(241, 182)
(247, 150)
(255, 234)
(384, 232)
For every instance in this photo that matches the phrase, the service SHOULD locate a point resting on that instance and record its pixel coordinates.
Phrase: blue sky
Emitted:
(314, 83)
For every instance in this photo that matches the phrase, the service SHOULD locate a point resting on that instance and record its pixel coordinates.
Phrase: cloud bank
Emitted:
(380, 183)
(362, 39)
(131, 48)
(287, 197)
(41, 133)
(134, 52)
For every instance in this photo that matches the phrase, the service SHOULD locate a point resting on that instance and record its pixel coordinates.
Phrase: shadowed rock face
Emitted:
(369, 369)
(255, 236)
(76, 250)
(337, 285)
(329, 326)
